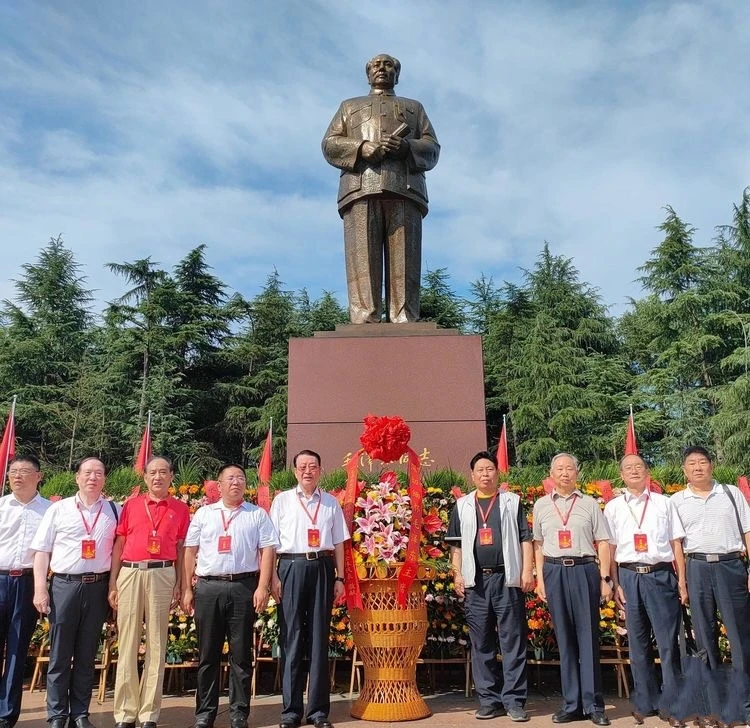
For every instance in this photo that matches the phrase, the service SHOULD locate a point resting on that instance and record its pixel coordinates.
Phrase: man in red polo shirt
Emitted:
(145, 582)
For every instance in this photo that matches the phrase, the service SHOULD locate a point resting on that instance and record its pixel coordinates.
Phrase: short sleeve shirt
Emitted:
(293, 513)
(18, 525)
(250, 530)
(659, 522)
(584, 521)
(168, 519)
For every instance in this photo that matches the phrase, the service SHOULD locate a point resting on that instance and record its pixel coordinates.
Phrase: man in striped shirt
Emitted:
(716, 519)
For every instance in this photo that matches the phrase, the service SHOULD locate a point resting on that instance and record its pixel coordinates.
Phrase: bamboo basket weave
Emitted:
(389, 641)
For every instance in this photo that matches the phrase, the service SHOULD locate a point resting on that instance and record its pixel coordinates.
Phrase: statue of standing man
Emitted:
(383, 144)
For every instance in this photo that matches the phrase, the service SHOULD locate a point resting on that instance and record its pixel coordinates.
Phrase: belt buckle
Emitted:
(642, 569)
(15, 572)
(713, 558)
(143, 564)
(486, 571)
(568, 562)
(311, 556)
(88, 578)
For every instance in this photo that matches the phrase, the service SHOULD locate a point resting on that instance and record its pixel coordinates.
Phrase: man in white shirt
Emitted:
(229, 547)
(21, 513)
(311, 528)
(646, 537)
(74, 540)
(716, 571)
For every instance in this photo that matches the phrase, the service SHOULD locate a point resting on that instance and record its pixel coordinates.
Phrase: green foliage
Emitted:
(62, 484)
(189, 471)
(120, 483)
(212, 368)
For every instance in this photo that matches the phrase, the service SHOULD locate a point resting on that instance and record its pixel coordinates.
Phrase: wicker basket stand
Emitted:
(389, 641)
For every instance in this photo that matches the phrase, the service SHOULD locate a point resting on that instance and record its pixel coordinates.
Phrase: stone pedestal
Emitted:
(433, 378)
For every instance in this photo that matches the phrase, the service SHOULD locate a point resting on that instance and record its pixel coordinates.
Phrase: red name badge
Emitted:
(154, 544)
(225, 544)
(485, 537)
(564, 539)
(640, 541)
(88, 548)
(313, 537)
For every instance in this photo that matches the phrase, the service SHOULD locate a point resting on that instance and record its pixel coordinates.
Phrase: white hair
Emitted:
(565, 455)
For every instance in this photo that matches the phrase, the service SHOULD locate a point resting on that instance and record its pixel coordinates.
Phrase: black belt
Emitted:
(147, 564)
(308, 555)
(713, 558)
(83, 578)
(647, 568)
(230, 577)
(571, 560)
(16, 572)
(492, 569)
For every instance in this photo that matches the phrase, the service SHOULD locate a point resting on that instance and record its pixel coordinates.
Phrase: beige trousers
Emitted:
(143, 595)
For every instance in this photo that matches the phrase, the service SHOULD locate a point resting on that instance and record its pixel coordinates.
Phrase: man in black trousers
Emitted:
(229, 547)
(493, 566)
(312, 532)
(75, 540)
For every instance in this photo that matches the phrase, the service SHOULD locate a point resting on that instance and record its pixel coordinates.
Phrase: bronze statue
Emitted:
(383, 144)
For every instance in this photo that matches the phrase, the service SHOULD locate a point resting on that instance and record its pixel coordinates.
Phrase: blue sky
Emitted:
(145, 128)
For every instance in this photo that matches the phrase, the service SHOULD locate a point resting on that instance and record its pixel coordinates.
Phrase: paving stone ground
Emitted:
(450, 709)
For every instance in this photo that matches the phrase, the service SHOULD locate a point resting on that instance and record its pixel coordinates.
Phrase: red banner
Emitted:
(264, 475)
(351, 580)
(411, 566)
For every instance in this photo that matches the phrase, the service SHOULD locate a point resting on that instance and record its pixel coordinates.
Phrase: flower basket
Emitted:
(389, 639)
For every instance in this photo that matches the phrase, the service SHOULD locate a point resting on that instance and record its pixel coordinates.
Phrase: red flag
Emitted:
(264, 475)
(654, 487)
(502, 450)
(144, 453)
(605, 487)
(631, 448)
(8, 445)
(742, 484)
(548, 484)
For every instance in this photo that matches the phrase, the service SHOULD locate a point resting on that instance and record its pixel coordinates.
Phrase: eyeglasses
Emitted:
(308, 468)
(23, 472)
(234, 479)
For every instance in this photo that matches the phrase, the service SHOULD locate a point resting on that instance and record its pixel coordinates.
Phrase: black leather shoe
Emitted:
(132, 725)
(58, 723)
(598, 717)
(82, 722)
(148, 724)
(563, 716)
(235, 723)
(5, 723)
(323, 723)
(639, 718)
(289, 723)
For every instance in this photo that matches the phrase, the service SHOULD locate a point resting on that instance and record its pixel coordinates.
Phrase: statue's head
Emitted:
(383, 71)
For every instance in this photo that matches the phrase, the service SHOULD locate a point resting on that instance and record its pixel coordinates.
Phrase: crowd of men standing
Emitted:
(79, 557)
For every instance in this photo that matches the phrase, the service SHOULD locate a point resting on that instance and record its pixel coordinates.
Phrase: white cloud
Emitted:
(146, 129)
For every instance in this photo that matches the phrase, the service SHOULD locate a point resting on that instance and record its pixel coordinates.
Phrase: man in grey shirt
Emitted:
(569, 534)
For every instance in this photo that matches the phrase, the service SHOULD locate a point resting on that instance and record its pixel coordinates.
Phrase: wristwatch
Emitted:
(608, 581)
(340, 578)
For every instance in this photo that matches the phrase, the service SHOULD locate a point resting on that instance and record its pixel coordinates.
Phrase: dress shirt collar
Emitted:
(80, 504)
(556, 495)
(631, 497)
(13, 501)
(382, 92)
(301, 493)
(715, 489)
(219, 505)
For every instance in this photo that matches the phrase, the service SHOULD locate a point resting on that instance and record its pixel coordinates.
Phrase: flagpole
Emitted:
(11, 418)
(148, 429)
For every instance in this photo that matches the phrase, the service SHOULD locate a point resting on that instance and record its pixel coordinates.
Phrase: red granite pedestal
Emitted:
(433, 378)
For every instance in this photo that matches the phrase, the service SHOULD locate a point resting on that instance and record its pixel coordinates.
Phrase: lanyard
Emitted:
(314, 518)
(154, 526)
(88, 528)
(643, 512)
(565, 518)
(231, 518)
(486, 514)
